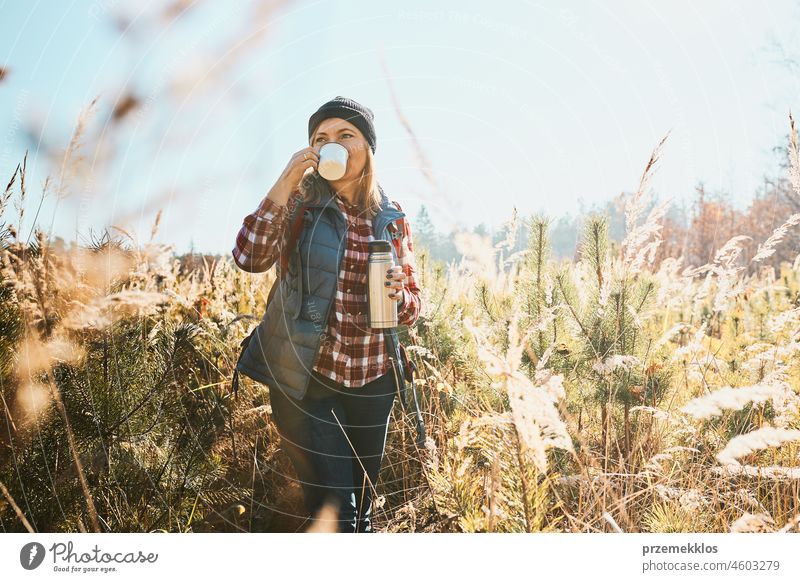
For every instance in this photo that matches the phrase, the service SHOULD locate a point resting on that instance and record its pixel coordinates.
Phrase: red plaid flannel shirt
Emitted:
(351, 353)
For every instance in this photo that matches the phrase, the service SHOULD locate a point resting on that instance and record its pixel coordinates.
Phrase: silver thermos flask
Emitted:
(382, 308)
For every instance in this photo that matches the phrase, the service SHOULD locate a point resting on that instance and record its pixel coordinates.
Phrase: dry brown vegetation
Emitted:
(616, 392)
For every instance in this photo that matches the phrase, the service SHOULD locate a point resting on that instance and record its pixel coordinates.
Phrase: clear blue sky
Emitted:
(538, 105)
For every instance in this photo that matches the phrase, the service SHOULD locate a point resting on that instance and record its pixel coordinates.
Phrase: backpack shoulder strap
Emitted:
(397, 228)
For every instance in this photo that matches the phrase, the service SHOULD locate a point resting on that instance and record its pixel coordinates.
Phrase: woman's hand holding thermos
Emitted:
(395, 278)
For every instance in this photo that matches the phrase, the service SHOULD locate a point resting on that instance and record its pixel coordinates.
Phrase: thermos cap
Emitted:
(379, 246)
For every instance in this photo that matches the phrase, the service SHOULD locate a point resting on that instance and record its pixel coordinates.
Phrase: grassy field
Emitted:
(603, 394)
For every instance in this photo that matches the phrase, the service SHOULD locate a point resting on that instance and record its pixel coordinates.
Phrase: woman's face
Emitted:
(348, 135)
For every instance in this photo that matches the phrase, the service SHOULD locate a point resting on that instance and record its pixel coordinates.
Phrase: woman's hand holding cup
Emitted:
(291, 176)
(298, 164)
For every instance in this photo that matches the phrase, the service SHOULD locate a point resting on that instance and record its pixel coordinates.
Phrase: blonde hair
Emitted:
(368, 195)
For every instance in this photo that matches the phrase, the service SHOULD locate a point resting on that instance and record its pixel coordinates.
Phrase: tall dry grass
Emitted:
(602, 394)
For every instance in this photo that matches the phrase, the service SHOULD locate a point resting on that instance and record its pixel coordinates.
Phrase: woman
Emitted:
(332, 379)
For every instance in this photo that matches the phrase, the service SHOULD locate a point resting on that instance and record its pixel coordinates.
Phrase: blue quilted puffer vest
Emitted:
(282, 350)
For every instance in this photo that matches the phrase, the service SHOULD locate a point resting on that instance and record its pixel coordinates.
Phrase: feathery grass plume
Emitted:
(772, 472)
(605, 289)
(640, 250)
(750, 523)
(10, 230)
(743, 496)
(50, 284)
(655, 412)
(792, 524)
(688, 499)
(761, 438)
(96, 270)
(794, 157)
(653, 464)
(786, 408)
(20, 204)
(636, 205)
(667, 336)
(490, 280)
(763, 356)
(34, 400)
(635, 246)
(478, 254)
(726, 256)
(71, 154)
(533, 406)
(35, 354)
(671, 284)
(723, 267)
(779, 322)
(697, 357)
(608, 365)
(767, 248)
(510, 226)
(728, 398)
(133, 302)
(156, 223)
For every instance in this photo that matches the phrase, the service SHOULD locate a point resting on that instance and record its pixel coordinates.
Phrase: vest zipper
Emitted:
(300, 280)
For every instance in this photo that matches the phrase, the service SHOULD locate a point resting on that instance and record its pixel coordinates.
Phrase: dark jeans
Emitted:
(322, 453)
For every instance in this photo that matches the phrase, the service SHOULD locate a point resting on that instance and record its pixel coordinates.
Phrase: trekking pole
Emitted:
(420, 426)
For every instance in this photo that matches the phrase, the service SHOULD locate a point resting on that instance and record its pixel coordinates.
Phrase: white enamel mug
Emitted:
(332, 161)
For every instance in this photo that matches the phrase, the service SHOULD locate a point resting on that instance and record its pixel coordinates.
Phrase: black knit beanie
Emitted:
(349, 110)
